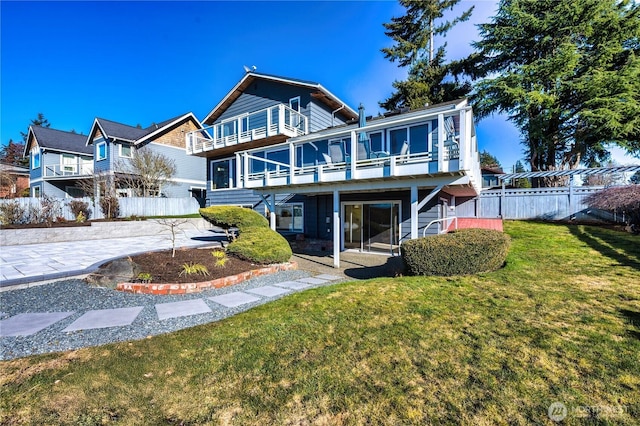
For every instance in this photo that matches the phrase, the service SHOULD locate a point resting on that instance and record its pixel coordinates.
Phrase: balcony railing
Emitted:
(67, 170)
(262, 124)
(393, 166)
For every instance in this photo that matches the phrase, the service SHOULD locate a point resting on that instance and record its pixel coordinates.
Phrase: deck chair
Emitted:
(404, 151)
(336, 152)
(364, 152)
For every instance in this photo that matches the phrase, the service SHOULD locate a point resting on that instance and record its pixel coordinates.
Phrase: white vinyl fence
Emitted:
(134, 206)
(563, 203)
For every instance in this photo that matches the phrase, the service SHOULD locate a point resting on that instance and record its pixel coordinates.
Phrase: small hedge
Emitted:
(464, 252)
(233, 217)
(256, 242)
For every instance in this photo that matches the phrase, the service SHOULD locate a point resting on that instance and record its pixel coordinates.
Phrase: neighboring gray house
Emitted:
(58, 160)
(113, 144)
(326, 172)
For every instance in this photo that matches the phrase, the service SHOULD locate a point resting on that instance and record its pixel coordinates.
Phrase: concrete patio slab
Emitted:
(328, 277)
(30, 323)
(293, 285)
(231, 300)
(181, 309)
(313, 280)
(268, 291)
(105, 318)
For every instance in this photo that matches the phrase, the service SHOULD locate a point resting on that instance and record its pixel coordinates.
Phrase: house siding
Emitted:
(320, 117)
(102, 166)
(188, 168)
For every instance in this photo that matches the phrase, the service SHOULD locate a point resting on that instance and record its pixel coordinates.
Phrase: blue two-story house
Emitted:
(58, 160)
(330, 173)
(114, 144)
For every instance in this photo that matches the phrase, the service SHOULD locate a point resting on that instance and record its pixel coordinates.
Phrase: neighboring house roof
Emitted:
(57, 140)
(491, 171)
(14, 169)
(135, 135)
(321, 94)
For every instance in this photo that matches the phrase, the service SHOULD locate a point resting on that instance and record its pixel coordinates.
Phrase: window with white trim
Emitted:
(294, 103)
(126, 151)
(222, 174)
(290, 217)
(35, 159)
(69, 163)
(36, 191)
(101, 151)
(417, 136)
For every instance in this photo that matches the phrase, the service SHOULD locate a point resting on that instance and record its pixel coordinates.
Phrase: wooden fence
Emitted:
(564, 203)
(134, 206)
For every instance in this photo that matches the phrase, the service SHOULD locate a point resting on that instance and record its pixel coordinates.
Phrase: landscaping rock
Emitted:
(112, 273)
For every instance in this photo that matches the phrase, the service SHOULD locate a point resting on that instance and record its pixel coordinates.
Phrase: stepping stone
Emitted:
(312, 280)
(105, 318)
(231, 300)
(30, 323)
(269, 291)
(181, 309)
(328, 277)
(293, 285)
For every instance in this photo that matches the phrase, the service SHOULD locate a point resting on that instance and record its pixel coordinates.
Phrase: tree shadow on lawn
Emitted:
(628, 254)
(632, 318)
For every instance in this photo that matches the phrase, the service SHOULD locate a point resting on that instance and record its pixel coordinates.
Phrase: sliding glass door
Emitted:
(372, 226)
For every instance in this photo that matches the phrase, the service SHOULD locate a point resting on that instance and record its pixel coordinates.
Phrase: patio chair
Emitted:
(337, 154)
(364, 152)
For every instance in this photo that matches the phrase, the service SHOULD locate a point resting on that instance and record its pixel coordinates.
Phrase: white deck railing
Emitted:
(275, 120)
(67, 170)
(280, 174)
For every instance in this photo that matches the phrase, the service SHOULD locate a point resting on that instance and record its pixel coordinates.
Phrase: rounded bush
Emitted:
(233, 217)
(464, 252)
(256, 242)
(261, 245)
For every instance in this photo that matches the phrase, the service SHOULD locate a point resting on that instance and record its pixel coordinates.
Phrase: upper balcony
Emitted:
(430, 147)
(270, 125)
(69, 170)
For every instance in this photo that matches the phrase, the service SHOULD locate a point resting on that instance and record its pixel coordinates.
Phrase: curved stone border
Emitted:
(160, 289)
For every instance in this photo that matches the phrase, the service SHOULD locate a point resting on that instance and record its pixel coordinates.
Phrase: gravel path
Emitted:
(75, 296)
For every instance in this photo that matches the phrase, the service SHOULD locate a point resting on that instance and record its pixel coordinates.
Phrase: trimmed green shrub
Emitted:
(261, 245)
(256, 241)
(233, 217)
(464, 252)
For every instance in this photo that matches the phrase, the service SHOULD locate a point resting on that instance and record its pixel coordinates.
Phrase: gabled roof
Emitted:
(135, 135)
(14, 169)
(112, 129)
(57, 140)
(321, 94)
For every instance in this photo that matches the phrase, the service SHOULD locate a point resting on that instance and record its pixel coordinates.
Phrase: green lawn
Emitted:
(561, 322)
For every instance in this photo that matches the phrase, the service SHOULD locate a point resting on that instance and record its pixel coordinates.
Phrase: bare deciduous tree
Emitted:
(146, 172)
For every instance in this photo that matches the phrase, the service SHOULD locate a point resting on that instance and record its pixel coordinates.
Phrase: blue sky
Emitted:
(144, 62)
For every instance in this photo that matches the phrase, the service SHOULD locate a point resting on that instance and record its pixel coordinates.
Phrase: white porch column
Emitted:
(336, 228)
(414, 212)
(441, 137)
(272, 211)
(292, 163)
(238, 168)
(354, 153)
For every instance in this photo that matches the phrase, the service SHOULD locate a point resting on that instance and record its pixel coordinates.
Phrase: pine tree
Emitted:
(567, 74)
(430, 80)
(490, 161)
(40, 120)
(521, 182)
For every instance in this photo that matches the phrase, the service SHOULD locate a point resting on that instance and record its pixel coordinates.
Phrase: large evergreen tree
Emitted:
(567, 74)
(430, 80)
(40, 120)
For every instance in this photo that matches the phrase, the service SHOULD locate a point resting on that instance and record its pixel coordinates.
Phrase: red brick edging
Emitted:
(159, 289)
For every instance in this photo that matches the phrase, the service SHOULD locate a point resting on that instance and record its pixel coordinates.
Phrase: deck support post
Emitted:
(414, 212)
(336, 228)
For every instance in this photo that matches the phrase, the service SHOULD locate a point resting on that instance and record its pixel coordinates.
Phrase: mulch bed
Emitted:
(166, 269)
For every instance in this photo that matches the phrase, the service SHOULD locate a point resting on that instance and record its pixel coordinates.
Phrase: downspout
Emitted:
(333, 114)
